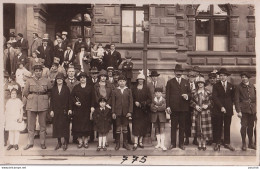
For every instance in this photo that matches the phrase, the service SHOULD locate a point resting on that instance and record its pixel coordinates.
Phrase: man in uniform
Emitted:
(37, 91)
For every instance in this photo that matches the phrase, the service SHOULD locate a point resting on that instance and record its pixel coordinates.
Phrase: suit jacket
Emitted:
(245, 98)
(59, 52)
(35, 44)
(127, 69)
(71, 85)
(113, 59)
(222, 98)
(68, 60)
(22, 58)
(174, 92)
(160, 83)
(122, 103)
(86, 65)
(24, 45)
(47, 55)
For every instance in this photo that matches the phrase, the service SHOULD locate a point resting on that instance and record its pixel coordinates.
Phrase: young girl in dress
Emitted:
(22, 74)
(102, 119)
(158, 117)
(14, 119)
(100, 51)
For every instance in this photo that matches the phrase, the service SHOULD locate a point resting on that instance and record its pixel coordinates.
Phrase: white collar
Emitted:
(102, 108)
(156, 100)
(121, 88)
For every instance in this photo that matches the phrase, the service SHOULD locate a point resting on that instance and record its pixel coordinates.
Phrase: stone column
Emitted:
(21, 19)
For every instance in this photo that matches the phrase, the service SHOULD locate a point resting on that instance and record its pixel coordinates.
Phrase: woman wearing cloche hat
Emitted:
(142, 100)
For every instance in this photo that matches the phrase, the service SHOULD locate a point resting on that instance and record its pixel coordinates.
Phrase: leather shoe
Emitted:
(16, 147)
(28, 147)
(172, 147)
(195, 142)
(9, 147)
(43, 146)
(182, 147)
(58, 146)
(228, 146)
(186, 142)
(252, 146)
(80, 145)
(134, 147)
(65, 147)
(141, 145)
(244, 147)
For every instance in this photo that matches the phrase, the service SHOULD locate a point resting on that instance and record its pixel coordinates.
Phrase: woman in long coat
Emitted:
(201, 117)
(142, 100)
(60, 106)
(83, 99)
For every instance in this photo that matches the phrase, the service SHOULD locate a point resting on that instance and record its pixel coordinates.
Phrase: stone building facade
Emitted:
(173, 31)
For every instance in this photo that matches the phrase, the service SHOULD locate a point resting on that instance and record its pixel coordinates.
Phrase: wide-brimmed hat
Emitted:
(102, 73)
(94, 70)
(82, 74)
(37, 66)
(223, 71)
(247, 74)
(60, 76)
(178, 67)
(154, 73)
(140, 76)
(121, 77)
(200, 80)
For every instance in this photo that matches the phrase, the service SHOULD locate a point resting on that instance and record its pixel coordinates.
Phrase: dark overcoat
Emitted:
(102, 120)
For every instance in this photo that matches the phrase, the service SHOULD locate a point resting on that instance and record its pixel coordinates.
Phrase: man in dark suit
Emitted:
(113, 59)
(177, 103)
(19, 57)
(45, 52)
(89, 44)
(245, 104)
(59, 50)
(50, 42)
(78, 44)
(223, 95)
(65, 40)
(23, 44)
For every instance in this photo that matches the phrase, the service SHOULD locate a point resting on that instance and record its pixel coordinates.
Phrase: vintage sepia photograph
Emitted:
(129, 83)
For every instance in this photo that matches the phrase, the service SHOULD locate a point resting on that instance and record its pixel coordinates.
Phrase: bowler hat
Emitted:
(154, 73)
(38, 66)
(107, 46)
(12, 34)
(19, 34)
(94, 70)
(102, 73)
(223, 71)
(178, 67)
(82, 74)
(158, 89)
(102, 99)
(247, 74)
(60, 76)
(121, 77)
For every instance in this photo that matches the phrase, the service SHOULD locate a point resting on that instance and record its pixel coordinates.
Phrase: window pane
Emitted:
(220, 43)
(87, 17)
(220, 9)
(75, 31)
(202, 43)
(127, 18)
(76, 18)
(204, 8)
(202, 26)
(139, 18)
(127, 34)
(87, 31)
(220, 27)
(139, 35)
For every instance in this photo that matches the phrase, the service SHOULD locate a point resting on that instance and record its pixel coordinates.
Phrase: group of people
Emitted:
(88, 89)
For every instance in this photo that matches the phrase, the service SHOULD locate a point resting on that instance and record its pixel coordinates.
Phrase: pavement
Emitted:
(191, 152)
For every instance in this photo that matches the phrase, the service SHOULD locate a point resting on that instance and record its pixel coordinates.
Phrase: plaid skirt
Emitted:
(201, 124)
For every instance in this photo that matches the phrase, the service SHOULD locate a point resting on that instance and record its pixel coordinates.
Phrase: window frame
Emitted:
(82, 23)
(134, 9)
(211, 18)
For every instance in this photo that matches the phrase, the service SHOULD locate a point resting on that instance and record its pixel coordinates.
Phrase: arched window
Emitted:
(80, 24)
(212, 27)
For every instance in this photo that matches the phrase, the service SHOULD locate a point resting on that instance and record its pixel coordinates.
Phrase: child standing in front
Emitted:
(158, 117)
(14, 119)
(122, 109)
(102, 123)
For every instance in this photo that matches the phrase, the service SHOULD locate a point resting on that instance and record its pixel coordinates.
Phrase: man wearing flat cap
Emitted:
(223, 99)
(177, 102)
(23, 44)
(245, 104)
(35, 44)
(37, 91)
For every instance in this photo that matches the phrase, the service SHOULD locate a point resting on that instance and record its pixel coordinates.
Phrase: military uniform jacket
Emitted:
(37, 92)
(245, 98)
(127, 69)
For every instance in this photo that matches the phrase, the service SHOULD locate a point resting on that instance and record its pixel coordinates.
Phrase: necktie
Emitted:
(179, 80)
(224, 86)
(67, 55)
